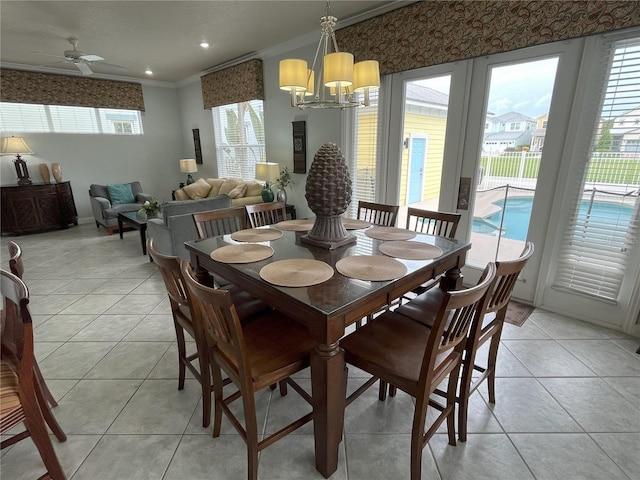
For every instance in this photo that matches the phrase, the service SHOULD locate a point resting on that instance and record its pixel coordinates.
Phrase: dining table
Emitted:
(327, 308)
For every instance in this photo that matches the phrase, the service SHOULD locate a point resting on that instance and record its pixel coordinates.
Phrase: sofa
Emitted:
(241, 192)
(105, 209)
(176, 225)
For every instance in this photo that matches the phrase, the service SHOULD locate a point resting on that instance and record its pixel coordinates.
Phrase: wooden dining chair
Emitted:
(378, 213)
(254, 356)
(268, 213)
(220, 222)
(18, 397)
(423, 307)
(43, 394)
(442, 224)
(401, 352)
(183, 321)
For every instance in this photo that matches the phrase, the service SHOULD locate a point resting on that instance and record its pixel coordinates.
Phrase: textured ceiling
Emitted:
(161, 35)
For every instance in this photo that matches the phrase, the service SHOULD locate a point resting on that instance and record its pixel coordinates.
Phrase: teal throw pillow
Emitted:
(121, 194)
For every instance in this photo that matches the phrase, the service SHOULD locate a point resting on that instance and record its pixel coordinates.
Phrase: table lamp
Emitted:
(17, 146)
(188, 166)
(267, 171)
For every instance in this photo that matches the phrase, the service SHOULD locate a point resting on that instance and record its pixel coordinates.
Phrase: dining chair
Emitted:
(43, 394)
(422, 308)
(401, 352)
(378, 213)
(183, 321)
(267, 213)
(18, 397)
(269, 349)
(442, 224)
(220, 222)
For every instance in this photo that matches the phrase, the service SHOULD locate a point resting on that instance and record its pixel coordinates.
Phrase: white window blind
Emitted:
(363, 158)
(24, 117)
(602, 232)
(239, 136)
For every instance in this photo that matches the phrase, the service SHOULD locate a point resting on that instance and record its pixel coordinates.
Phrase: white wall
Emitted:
(151, 158)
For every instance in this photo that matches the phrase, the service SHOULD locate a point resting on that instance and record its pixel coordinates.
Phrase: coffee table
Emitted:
(131, 218)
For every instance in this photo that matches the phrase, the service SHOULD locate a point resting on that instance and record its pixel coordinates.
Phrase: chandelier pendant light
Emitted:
(333, 79)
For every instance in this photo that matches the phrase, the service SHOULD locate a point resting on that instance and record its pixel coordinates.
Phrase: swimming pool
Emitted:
(518, 213)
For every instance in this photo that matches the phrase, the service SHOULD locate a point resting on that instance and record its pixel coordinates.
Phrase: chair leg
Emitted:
(46, 412)
(35, 424)
(43, 385)
(218, 395)
(491, 366)
(465, 392)
(382, 391)
(205, 383)
(283, 388)
(182, 354)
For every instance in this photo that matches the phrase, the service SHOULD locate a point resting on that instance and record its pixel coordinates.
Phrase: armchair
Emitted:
(106, 212)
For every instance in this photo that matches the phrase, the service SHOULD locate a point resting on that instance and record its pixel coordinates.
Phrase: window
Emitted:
(544, 124)
(23, 117)
(239, 136)
(515, 126)
(602, 231)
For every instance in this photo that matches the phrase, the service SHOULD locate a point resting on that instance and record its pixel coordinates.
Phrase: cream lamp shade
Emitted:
(188, 165)
(338, 69)
(15, 145)
(293, 75)
(267, 171)
(366, 74)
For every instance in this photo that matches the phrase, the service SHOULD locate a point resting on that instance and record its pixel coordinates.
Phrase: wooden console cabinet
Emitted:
(37, 208)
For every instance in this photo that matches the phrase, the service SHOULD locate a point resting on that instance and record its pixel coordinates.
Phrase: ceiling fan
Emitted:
(81, 60)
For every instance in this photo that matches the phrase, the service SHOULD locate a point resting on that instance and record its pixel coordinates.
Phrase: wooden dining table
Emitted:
(328, 308)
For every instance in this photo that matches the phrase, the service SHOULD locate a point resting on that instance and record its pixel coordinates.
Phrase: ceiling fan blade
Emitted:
(47, 54)
(107, 64)
(91, 58)
(84, 68)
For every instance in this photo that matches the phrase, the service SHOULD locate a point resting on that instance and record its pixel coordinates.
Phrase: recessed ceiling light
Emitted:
(148, 71)
(204, 44)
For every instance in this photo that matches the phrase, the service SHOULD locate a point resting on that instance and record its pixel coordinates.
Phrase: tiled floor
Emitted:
(568, 394)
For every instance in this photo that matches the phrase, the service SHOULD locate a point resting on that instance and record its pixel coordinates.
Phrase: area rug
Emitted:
(517, 313)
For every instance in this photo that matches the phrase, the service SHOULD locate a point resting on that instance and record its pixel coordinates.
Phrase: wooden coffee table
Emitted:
(131, 218)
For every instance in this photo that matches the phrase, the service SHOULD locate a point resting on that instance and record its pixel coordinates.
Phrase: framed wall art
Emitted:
(196, 145)
(299, 147)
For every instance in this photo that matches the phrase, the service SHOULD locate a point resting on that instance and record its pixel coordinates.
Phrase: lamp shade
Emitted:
(338, 69)
(188, 165)
(15, 145)
(267, 171)
(366, 74)
(293, 74)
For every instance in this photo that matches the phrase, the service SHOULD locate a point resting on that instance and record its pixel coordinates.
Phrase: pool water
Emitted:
(518, 213)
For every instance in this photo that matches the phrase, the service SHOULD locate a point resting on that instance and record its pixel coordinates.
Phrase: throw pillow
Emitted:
(228, 185)
(215, 183)
(121, 194)
(238, 191)
(254, 189)
(198, 189)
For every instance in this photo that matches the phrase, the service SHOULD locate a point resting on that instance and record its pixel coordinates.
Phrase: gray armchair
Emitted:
(105, 213)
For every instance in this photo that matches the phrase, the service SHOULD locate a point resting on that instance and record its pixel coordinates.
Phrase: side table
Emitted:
(291, 210)
(131, 218)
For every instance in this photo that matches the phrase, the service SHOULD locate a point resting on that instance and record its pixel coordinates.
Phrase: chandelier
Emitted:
(333, 79)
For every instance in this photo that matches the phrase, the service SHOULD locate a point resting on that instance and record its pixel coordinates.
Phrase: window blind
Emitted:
(603, 229)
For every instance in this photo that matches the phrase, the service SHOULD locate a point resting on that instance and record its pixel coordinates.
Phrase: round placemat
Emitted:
(410, 250)
(376, 268)
(245, 253)
(390, 233)
(256, 235)
(295, 225)
(354, 224)
(296, 272)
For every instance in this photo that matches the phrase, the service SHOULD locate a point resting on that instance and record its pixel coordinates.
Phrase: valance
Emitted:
(432, 33)
(240, 83)
(19, 86)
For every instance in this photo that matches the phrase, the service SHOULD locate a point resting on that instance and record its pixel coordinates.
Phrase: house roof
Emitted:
(502, 136)
(420, 93)
(512, 117)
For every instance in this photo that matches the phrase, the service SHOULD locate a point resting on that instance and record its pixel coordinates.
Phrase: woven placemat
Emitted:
(295, 225)
(354, 224)
(296, 272)
(256, 235)
(390, 233)
(245, 253)
(376, 268)
(410, 250)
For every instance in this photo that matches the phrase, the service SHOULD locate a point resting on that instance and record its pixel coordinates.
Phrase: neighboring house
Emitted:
(625, 132)
(537, 142)
(508, 130)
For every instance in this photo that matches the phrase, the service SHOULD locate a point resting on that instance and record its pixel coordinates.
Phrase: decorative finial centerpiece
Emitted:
(328, 194)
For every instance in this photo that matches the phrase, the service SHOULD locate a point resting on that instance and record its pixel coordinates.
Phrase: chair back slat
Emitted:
(443, 224)
(220, 222)
(378, 213)
(169, 267)
(261, 214)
